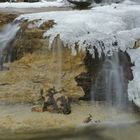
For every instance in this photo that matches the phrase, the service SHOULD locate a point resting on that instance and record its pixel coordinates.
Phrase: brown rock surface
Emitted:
(37, 108)
(35, 66)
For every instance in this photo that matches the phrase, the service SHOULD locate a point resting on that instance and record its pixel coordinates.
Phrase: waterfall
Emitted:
(110, 82)
(57, 45)
(114, 80)
(6, 36)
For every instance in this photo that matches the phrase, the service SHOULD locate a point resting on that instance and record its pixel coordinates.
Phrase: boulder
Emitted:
(81, 3)
(53, 101)
(37, 108)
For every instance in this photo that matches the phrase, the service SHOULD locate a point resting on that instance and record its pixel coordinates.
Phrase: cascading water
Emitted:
(57, 60)
(6, 36)
(111, 82)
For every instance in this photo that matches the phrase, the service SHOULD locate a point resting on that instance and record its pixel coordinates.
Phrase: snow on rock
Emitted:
(43, 3)
(100, 23)
(108, 28)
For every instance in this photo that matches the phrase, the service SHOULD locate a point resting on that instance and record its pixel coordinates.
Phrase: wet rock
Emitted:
(37, 108)
(63, 104)
(87, 79)
(50, 102)
(41, 98)
(88, 119)
(33, 66)
(56, 102)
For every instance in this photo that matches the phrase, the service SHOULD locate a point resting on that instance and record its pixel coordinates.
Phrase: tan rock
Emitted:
(36, 66)
(37, 108)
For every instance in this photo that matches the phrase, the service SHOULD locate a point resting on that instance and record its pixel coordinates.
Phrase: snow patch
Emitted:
(43, 3)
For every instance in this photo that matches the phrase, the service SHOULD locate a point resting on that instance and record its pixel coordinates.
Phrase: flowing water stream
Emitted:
(111, 82)
(6, 37)
(57, 60)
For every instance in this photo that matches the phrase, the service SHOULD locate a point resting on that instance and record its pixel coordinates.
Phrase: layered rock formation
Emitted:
(35, 66)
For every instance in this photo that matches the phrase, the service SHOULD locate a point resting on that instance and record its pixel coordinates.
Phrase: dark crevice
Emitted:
(85, 80)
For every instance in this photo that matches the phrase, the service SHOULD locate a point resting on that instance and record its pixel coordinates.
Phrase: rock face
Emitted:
(53, 101)
(56, 102)
(86, 79)
(35, 66)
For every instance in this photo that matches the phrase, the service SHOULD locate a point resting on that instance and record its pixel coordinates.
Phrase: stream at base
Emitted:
(128, 131)
(122, 125)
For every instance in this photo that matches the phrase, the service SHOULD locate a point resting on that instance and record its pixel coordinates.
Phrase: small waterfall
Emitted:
(114, 80)
(57, 45)
(110, 82)
(6, 36)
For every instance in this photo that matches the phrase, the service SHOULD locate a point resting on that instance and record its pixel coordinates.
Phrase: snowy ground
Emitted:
(107, 24)
(43, 3)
